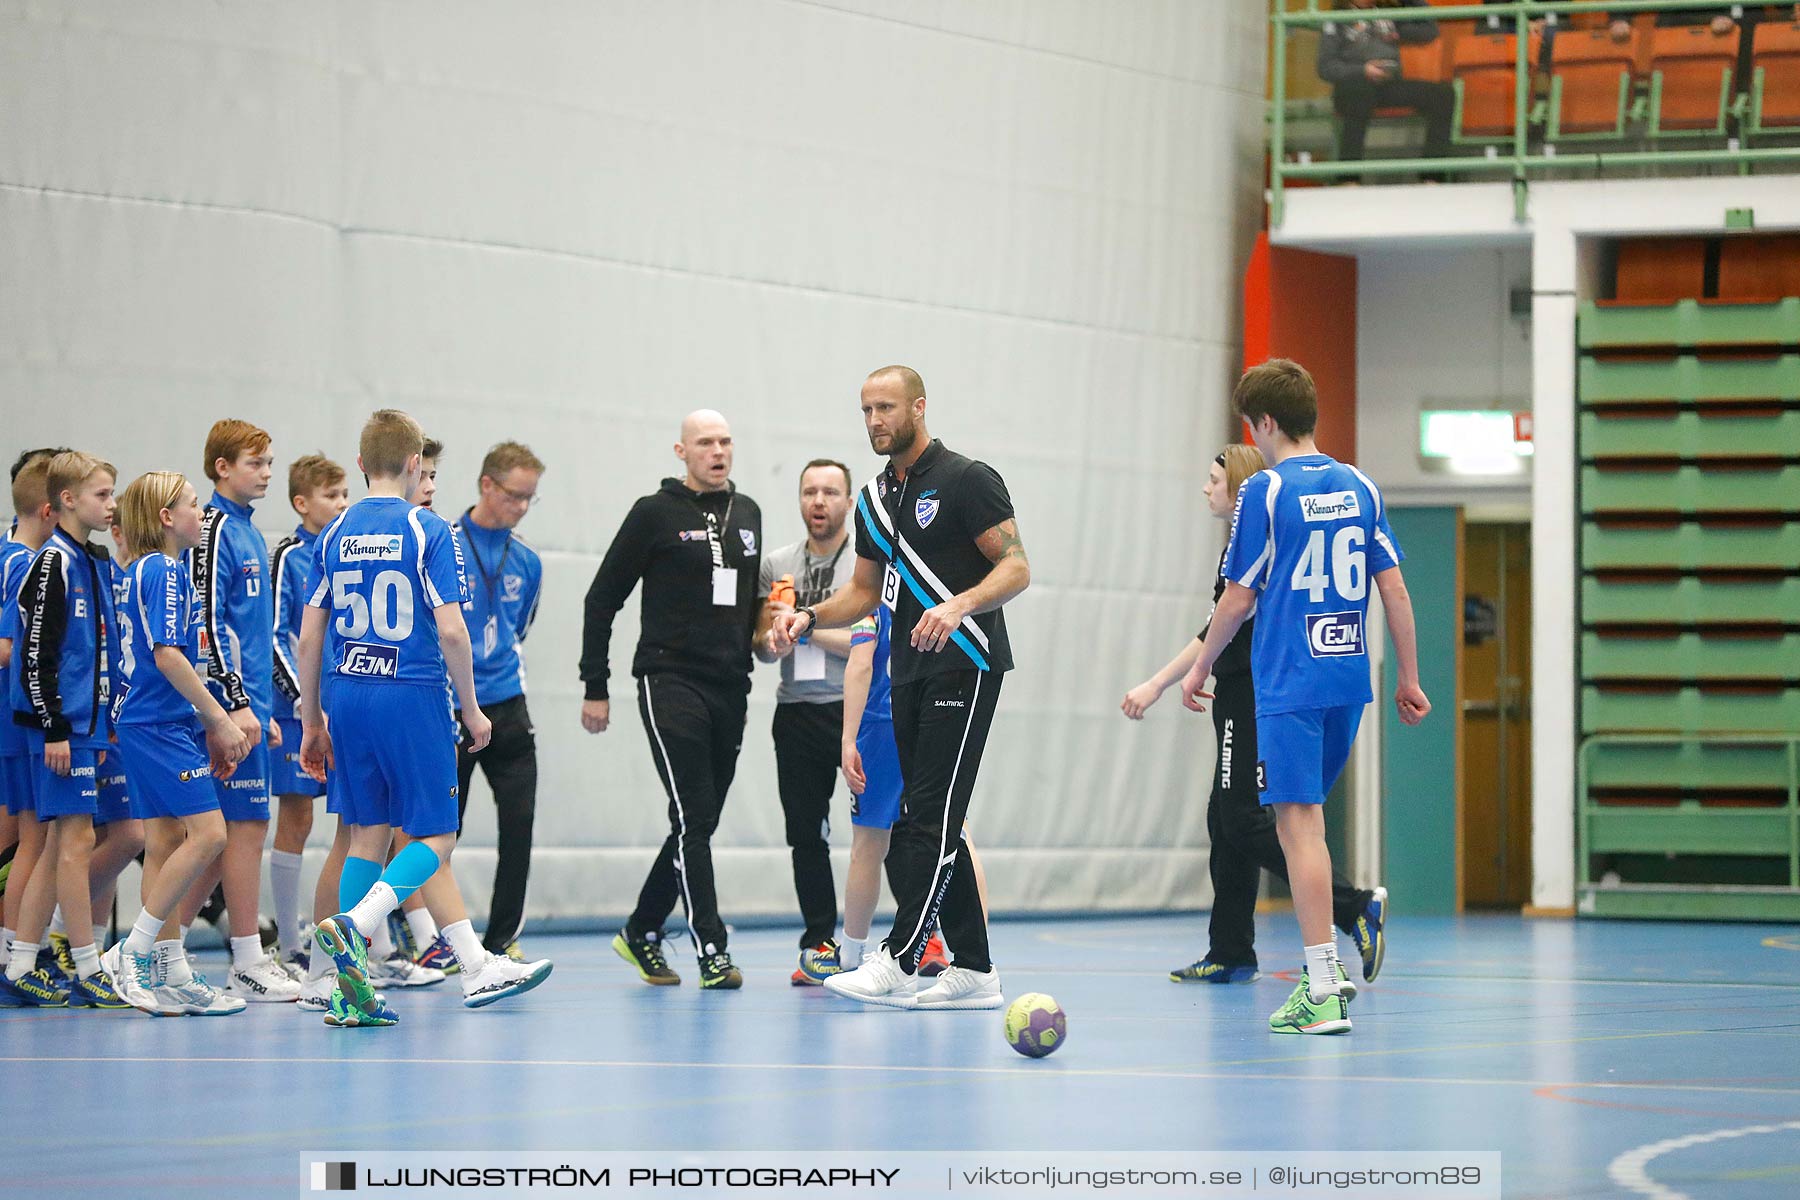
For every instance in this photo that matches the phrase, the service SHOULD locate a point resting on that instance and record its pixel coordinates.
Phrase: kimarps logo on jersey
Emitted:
(370, 661)
(383, 547)
(1330, 506)
(692, 535)
(1330, 635)
(925, 509)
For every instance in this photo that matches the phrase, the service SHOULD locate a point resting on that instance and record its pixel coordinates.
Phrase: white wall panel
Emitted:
(571, 223)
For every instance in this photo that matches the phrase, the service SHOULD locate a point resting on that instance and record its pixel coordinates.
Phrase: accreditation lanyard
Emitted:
(490, 631)
(724, 579)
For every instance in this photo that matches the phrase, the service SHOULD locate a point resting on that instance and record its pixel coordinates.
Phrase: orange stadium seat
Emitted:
(1760, 268)
(1593, 79)
(1775, 57)
(1660, 270)
(1691, 74)
(1485, 64)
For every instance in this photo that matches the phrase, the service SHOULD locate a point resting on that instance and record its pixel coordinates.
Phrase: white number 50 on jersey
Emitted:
(1349, 566)
(393, 605)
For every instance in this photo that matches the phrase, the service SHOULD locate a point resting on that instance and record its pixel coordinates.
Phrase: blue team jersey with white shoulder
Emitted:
(15, 561)
(380, 571)
(1309, 534)
(878, 628)
(290, 573)
(156, 607)
(504, 585)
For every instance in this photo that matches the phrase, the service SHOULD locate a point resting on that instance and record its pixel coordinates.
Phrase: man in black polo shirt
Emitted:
(936, 542)
(696, 544)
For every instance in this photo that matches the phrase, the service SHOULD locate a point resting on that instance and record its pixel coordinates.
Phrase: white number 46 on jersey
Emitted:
(1349, 566)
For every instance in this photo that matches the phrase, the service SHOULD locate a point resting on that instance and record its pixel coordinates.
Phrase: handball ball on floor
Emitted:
(1036, 1025)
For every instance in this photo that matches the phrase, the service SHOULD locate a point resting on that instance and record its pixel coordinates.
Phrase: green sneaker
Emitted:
(339, 937)
(341, 1014)
(1301, 1014)
(717, 971)
(645, 955)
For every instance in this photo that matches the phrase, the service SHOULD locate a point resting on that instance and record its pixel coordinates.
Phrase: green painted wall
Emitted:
(1418, 764)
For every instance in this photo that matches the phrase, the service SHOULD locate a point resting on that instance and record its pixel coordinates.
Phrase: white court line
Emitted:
(664, 1065)
(1631, 1169)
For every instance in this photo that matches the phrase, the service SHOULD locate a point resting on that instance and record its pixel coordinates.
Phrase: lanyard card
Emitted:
(725, 586)
(809, 662)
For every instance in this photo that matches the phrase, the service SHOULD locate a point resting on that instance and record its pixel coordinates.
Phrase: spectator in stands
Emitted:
(1360, 59)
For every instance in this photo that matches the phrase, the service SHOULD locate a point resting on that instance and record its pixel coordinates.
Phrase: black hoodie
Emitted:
(663, 541)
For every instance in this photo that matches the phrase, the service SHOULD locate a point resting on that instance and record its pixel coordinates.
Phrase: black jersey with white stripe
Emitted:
(923, 529)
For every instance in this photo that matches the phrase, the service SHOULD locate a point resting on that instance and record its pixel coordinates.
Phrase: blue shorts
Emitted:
(287, 778)
(245, 796)
(115, 801)
(15, 783)
(171, 775)
(395, 746)
(1303, 752)
(879, 805)
(68, 795)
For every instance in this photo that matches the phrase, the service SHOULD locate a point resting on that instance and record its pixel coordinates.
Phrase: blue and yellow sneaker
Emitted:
(49, 962)
(61, 953)
(340, 938)
(1208, 971)
(1303, 1014)
(95, 991)
(341, 1014)
(1367, 935)
(439, 956)
(39, 989)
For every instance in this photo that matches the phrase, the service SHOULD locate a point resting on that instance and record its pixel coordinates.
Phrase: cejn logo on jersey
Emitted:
(1333, 635)
(379, 547)
(1330, 506)
(368, 660)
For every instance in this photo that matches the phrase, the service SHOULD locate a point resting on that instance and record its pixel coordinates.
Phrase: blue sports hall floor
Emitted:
(1601, 1059)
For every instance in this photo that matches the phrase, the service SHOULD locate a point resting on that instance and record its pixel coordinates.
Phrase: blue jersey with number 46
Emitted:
(380, 571)
(1308, 535)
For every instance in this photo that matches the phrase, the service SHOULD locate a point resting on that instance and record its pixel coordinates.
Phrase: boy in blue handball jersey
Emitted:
(385, 611)
(1309, 536)
(230, 570)
(318, 494)
(175, 740)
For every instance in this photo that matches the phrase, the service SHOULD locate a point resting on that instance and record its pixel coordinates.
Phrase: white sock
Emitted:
(424, 928)
(87, 960)
(370, 913)
(23, 960)
(284, 881)
(184, 935)
(144, 931)
(246, 952)
(1322, 970)
(381, 942)
(172, 965)
(99, 935)
(467, 945)
(850, 951)
(319, 965)
(56, 922)
(6, 941)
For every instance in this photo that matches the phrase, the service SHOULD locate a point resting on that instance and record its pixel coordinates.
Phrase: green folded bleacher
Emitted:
(1689, 501)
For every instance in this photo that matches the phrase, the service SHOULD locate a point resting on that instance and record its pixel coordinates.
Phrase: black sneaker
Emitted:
(716, 971)
(645, 953)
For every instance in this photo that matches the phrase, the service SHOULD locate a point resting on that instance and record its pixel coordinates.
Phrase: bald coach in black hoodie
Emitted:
(697, 545)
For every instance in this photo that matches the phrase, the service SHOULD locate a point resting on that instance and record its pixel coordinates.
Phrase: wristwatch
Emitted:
(812, 618)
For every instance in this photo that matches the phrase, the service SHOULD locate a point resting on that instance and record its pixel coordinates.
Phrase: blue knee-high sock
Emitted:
(415, 863)
(359, 876)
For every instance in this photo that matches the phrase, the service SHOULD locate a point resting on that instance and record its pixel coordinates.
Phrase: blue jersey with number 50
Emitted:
(1308, 535)
(381, 570)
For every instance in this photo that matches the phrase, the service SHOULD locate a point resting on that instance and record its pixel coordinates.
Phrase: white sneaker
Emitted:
(315, 994)
(959, 987)
(878, 981)
(296, 963)
(499, 977)
(133, 976)
(196, 998)
(263, 982)
(397, 970)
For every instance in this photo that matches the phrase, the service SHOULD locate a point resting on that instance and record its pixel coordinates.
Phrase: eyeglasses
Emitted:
(528, 499)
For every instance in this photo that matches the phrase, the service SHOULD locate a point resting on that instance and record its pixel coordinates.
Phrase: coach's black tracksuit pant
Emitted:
(940, 729)
(1242, 832)
(509, 761)
(808, 749)
(695, 733)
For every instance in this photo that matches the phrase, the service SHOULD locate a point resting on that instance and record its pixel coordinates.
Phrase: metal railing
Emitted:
(1520, 163)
